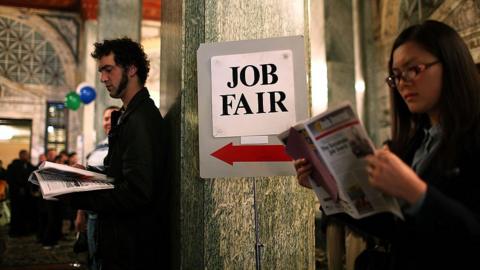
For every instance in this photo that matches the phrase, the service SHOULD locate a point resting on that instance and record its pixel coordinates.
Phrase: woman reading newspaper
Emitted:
(431, 165)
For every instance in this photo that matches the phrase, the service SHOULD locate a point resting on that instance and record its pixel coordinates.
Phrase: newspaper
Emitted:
(56, 179)
(335, 143)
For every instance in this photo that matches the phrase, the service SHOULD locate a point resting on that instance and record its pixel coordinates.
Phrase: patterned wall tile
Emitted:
(68, 28)
(26, 56)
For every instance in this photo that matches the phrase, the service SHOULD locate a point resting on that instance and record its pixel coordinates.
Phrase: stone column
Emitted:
(340, 53)
(213, 218)
(88, 74)
(376, 52)
(116, 19)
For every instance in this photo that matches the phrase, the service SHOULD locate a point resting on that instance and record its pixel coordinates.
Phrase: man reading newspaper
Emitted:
(132, 217)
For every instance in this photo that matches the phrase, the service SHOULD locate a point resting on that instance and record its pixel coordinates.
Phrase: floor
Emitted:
(24, 253)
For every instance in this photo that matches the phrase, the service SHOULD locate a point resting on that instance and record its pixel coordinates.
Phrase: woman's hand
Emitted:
(304, 169)
(391, 175)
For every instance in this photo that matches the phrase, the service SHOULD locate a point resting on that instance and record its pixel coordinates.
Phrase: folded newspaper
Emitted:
(56, 179)
(335, 143)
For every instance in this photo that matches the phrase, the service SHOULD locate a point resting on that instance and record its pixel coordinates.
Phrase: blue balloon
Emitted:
(87, 94)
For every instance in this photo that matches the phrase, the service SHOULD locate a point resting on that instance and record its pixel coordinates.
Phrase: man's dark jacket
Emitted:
(17, 177)
(20, 198)
(132, 216)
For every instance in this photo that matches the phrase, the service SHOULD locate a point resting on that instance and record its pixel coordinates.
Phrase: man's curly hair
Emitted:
(126, 53)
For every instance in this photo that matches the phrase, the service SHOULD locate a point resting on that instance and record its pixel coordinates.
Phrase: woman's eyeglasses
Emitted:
(407, 75)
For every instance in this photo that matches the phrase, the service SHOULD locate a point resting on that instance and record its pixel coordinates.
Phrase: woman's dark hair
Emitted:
(459, 103)
(126, 53)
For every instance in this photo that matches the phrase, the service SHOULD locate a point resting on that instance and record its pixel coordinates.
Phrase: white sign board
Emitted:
(248, 92)
(252, 93)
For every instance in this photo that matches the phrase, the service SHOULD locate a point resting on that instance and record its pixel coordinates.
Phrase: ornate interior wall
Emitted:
(41, 55)
(38, 60)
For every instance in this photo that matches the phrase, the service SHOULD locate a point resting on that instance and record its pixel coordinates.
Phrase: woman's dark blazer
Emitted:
(445, 231)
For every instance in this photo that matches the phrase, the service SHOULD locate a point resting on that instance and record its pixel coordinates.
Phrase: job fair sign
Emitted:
(252, 93)
(248, 92)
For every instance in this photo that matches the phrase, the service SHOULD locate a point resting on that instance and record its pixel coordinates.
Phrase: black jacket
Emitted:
(17, 177)
(445, 233)
(132, 217)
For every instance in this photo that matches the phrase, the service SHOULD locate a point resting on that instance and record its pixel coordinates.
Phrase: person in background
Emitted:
(42, 205)
(4, 218)
(87, 220)
(72, 159)
(51, 215)
(19, 193)
(3, 171)
(68, 212)
(96, 157)
(41, 159)
(62, 157)
(3, 182)
(431, 163)
(132, 217)
(36, 198)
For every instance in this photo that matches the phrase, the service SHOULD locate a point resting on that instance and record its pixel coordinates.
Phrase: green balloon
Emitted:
(72, 101)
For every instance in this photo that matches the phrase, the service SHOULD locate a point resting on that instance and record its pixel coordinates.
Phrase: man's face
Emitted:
(63, 158)
(51, 155)
(24, 156)
(107, 120)
(73, 160)
(113, 76)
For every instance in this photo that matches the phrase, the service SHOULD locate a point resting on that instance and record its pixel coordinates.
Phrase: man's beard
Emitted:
(120, 91)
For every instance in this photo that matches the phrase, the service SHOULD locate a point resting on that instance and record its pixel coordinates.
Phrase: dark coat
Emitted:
(132, 217)
(445, 232)
(17, 177)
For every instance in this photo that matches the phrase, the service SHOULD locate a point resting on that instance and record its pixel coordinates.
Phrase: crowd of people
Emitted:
(29, 213)
(127, 226)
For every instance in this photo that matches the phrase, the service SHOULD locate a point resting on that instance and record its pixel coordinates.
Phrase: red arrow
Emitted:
(251, 153)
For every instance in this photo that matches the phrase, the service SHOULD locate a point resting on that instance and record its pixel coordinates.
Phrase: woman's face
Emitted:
(422, 92)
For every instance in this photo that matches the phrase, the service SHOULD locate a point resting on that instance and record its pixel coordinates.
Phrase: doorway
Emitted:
(15, 135)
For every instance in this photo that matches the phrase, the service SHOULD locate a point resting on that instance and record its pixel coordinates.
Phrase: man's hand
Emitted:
(79, 166)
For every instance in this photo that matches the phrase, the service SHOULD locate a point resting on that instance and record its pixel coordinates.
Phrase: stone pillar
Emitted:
(116, 19)
(213, 218)
(89, 72)
(340, 53)
(375, 61)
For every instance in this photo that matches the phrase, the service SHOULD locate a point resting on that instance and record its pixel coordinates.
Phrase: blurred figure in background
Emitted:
(63, 157)
(50, 224)
(72, 159)
(19, 194)
(87, 220)
(41, 159)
